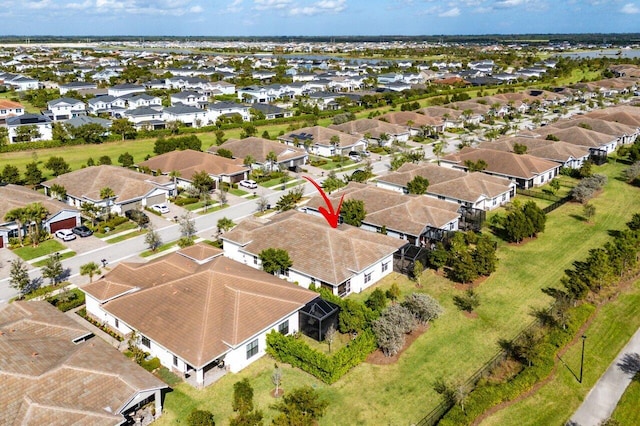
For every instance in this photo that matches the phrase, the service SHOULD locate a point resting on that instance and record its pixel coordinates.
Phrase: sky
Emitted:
(315, 17)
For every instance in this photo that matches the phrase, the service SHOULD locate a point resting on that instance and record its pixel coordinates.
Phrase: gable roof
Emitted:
(320, 136)
(367, 125)
(577, 136)
(551, 150)
(259, 148)
(432, 172)
(190, 162)
(472, 187)
(610, 128)
(47, 378)
(126, 184)
(402, 118)
(329, 254)
(16, 196)
(197, 311)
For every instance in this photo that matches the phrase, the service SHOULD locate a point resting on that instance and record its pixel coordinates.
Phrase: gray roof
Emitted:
(26, 119)
(70, 101)
(83, 119)
(182, 109)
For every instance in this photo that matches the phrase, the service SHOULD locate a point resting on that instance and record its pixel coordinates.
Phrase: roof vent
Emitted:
(34, 354)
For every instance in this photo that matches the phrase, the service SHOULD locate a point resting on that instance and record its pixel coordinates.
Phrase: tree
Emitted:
(152, 239)
(200, 418)
(276, 379)
(438, 257)
(107, 194)
(58, 191)
(187, 225)
(462, 267)
(27, 133)
(219, 137)
(418, 185)
(57, 165)
(202, 182)
(468, 301)
(394, 292)
(262, 203)
(90, 269)
(4, 136)
(19, 216)
(332, 182)
(275, 261)
(353, 212)
(438, 149)
(536, 217)
(125, 159)
(33, 175)
(589, 211)
(242, 396)
(90, 211)
(418, 269)
(519, 148)
(484, 256)
(104, 160)
(555, 185)
(248, 160)
(53, 269)
(90, 133)
(10, 173)
(19, 277)
(516, 226)
(223, 152)
(36, 213)
(300, 407)
(377, 300)
(423, 307)
(272, 160)
(330, 335)
(124, 128)
(391, 327)
(634, 223)
(289, 200)
(476, 166)
(224, 224)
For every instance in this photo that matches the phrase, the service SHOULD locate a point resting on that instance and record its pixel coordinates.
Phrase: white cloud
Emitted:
(42, 4)
(234, 7)
(320, 7)
(451, 13)
(630, 9)
(271, 4)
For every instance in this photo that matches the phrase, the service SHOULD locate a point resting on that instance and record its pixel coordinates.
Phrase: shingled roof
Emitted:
(50, 376)
(259, 148)
(432, 172)
(16, 196)
(190, 162)
(198, 310)
(558, 151)
(504, 163)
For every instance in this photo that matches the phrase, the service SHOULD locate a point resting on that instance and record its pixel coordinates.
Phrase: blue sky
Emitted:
(315, 17)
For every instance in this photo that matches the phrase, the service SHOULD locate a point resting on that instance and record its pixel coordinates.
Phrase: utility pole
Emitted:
(582, 358)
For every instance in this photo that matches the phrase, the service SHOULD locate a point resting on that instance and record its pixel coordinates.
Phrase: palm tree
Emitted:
(91, 211)
(107, 194)
(19, 216)
(272, 159)
(175, 174)
(36, 214)
(90, 269)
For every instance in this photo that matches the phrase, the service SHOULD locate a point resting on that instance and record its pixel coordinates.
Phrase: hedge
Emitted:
(28, 146)
(329, 369)
(75, 299)
(486, 395)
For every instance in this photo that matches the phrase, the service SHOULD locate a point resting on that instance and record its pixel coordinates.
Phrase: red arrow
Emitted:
(330, 215)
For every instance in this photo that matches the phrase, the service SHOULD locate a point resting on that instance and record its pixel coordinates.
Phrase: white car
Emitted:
(247, 183)
(65, 234)
(160, 208)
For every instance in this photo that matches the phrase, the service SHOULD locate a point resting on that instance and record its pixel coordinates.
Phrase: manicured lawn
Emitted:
(627, 412)
(120, 228)
(43, 249)
(160, 249)
(126, 236)
(237, 192)
(454, 346)
(63, 256)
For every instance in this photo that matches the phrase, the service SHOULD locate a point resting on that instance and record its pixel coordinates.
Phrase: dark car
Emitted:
(137, 216)
(82, 231)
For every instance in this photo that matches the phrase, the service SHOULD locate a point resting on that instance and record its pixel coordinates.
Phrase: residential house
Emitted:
(137, 100)
(190, 116)
(203, 313)
(526, 170)
(189, 162)
(324, 141)
(62, 109)
(10, 109)
(567, 154)
(53, 372)
(415, 122)
(190, 98)
(600, 144)
(133, 190)
(103, 105)
(413, 218)
(145, 118)
(288, 157)
(61, 215)
(217, 110)
(623, 115)
(374, 131)
(625, 134)
(76, 86)
(342, 260)
(324, 100)
(125, 89)
(42, 125)
(271, 112)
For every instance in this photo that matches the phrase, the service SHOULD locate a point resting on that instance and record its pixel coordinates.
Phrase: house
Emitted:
(324, 141)
(288, 157)
(61, 216)
(76, 86)
(323, 100)
(342, 260)
(132, 190)
(203, 313)
(137, 100)
(377, 131)
(567, 154)
(10, 109)
(62, 109)
(190, 116)
(102, 104)
(145, 118)
(624, 115)
(125, 89)
(271, 112)
(414, 122)
(21, 83)
(39, 128)
(413, 218)
(83, 120)
(218, 110)
(625, 134)
(53, 372)
(600, 144)
(526, 170)
(190, 162)
(189, 97)
(397, 181)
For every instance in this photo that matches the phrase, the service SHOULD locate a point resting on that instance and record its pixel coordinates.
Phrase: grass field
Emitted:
(43, 249)
(454, 346)
(627, 412)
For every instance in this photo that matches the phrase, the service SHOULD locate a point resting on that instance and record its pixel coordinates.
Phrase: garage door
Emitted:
(156, 199)
(1, 242)
(63, 224)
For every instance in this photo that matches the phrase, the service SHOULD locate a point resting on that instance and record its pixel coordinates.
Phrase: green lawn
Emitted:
(120, 228)
(126, 236)
(627, 412)
(43, 249)
(63, 256)
(237, 192)
(454, 346)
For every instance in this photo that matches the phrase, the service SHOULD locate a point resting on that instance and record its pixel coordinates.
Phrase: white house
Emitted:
(125, 89)
(65, 108)
(189, 97)
(189, 115)
(42, 125)
(220, 109)
(343, 260)
(210, 313)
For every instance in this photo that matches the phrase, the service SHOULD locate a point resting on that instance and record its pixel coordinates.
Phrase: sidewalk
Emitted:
(603, 398)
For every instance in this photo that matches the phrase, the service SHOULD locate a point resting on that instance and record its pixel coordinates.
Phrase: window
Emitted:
(145, 342)
(175, 361)
(367, 277)
(385, 266)
(117, 323)
(255, 260)
(285, 272)
(283, 328)
(344, 288)
(252, 348)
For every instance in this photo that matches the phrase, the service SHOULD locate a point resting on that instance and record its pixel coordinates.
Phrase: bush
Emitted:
(200, 418)
(67, 300)
(183, 201)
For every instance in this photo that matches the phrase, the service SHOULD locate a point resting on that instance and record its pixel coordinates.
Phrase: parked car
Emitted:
(65, 234)
(137, 216)
(82, 231)
(247, 183)
(160, 208)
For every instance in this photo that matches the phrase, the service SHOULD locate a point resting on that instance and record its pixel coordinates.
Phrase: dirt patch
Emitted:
(521, 243)
(505, 371)
(278, 394)
(474, 284)
(472, 314)
(378, 358)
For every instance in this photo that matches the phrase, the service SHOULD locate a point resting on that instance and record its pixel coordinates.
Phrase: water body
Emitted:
(609, 53)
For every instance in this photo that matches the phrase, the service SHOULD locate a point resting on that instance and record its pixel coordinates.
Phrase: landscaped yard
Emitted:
(627, 412)
(43, 249)
(63, 256)
(454, 346)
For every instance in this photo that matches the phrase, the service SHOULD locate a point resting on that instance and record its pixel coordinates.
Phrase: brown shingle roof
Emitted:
(87, 183)
(625, 115)
(504, 163)
(432, 172)
(190, 162)
(367, 125)
(471, 187)
(47, 379)
(538, 147)
(322, 136)
(402, 118)
(15, 196)
(577, 136)
(201, 311)
(259, 148)
(328, 254)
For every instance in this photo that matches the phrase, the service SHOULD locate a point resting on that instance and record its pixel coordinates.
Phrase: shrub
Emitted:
(183, 201)
(200, 418)
(423, 307)
(67, 300)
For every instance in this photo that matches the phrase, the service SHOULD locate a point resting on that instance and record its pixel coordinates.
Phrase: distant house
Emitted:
(567, 154)
(76, 86)
(378, 131)
(324, 141)
(61, 215)
(342, 260)
(62, 109)
(289, 157)
(54, 372)
(271, 111)
(190, 116)
(210, 313)
(132, 190)
(190, 98)
(41, 123)
(218, 110)
(145, 118)
(125, 89)
(10, 109)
